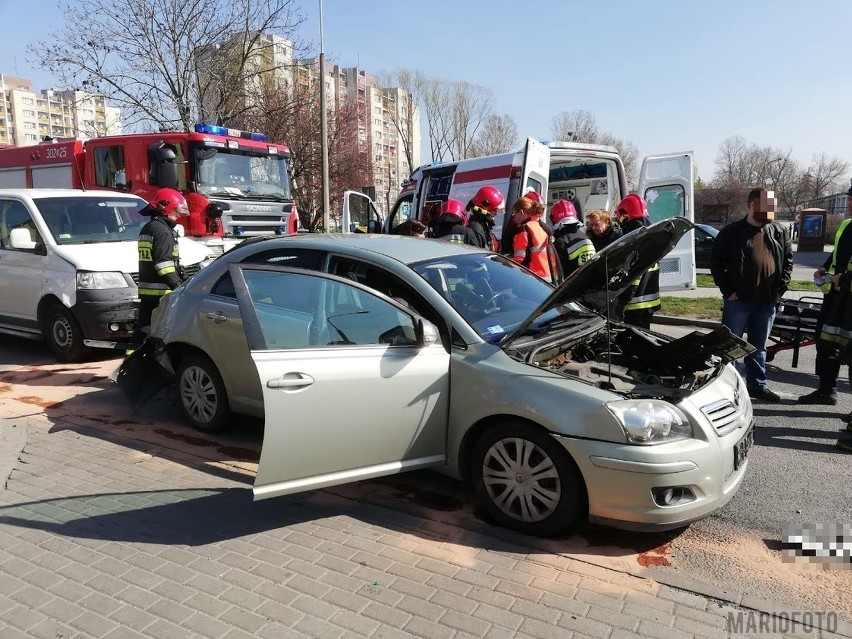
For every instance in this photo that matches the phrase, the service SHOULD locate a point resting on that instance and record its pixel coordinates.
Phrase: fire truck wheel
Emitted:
(63, 334)
(202, 394)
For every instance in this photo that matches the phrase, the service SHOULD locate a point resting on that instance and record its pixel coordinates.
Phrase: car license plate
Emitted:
(742, 447)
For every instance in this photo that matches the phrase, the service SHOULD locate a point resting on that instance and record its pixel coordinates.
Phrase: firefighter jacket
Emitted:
(573, 248)
(451, 229)
(645, 293)
(841, 254)
(159, 259)
(480, 226)
(731, 264)
(530, 248)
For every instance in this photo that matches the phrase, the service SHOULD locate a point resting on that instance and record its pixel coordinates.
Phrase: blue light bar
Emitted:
(213, 129)
(239, 230)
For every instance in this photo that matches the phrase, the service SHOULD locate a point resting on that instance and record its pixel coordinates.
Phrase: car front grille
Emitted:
(726, 414)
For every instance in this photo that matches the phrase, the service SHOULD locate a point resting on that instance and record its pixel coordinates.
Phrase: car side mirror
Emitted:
(22, 240)
(425, 332)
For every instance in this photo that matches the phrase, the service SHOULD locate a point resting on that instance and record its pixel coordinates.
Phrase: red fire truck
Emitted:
(236, 183)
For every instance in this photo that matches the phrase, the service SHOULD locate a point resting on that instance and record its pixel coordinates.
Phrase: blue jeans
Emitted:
(755, 319)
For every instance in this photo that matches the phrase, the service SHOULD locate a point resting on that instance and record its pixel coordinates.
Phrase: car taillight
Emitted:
(294, 220)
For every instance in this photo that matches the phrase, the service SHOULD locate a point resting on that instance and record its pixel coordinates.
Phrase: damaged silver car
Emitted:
(372, 355)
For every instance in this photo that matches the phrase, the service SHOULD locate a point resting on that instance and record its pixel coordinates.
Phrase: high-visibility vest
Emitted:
(530, 249)
(830, 272)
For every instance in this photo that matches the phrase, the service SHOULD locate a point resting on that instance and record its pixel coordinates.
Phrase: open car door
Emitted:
(536, 169)
(666, 184)
(354, 385)
(360, 214)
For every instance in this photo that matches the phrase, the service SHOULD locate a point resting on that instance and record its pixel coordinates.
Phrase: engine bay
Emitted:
(641, 364)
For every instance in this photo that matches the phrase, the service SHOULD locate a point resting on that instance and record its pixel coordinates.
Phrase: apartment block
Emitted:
(27, 116)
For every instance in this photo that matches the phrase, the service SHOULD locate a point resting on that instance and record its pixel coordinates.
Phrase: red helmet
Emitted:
(488, 198)
(563, 211)
(535, 196)
(454, 208)
(167, 201)
(632, 207)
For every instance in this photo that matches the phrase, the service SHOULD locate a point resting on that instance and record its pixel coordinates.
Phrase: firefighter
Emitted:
(450, 224)
(159, 259)
(482, 208)
(531, 243)
(644, 300)
(572, 245)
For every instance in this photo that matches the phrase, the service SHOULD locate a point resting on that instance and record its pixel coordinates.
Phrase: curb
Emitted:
(685, 321)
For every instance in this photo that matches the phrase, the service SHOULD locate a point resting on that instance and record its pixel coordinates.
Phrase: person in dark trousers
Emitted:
(643, 298)
(159, 257)
(572, 245)
(450, 224)
(481, 209)
(751, 263)
(828, 348)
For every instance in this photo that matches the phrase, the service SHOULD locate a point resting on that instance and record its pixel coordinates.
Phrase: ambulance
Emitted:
(588, 175)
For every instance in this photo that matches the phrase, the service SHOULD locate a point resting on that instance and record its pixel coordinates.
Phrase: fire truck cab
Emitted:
(591, 176)
(236, 183)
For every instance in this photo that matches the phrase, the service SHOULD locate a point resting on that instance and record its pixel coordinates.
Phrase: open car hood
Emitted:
(611, 271)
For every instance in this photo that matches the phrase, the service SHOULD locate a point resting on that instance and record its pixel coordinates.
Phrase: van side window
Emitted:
(14, 215)
(109, 167)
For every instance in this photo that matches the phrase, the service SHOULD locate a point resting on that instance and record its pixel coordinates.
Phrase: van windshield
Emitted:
(242, 174)
(86, 220)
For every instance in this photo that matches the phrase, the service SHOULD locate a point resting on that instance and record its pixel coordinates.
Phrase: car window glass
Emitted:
(297, 310)
(665, 202)
(14, 215)
(224, 287)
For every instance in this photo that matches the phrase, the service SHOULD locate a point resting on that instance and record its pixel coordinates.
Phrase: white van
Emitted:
(69, 267)
(591, 176)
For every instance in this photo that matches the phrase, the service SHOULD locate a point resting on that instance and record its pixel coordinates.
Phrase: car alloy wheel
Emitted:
(202, 394)
(526, 480)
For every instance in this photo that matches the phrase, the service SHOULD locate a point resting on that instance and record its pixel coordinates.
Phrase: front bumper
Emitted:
(107, 317)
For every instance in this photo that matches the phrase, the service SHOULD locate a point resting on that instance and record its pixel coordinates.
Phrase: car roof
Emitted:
(402, 248)
(37, 193)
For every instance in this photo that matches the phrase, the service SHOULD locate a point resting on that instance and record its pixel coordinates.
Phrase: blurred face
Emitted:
(763, 209)
(520, 217)
(597, 226)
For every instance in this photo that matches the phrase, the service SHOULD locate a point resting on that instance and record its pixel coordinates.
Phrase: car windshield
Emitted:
(87, 220)
(242, 174)
(492, 293)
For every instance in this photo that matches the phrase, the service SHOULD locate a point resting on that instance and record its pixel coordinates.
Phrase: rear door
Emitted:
(666, 184)
(350, 390)
(360, 214)
(535, 170)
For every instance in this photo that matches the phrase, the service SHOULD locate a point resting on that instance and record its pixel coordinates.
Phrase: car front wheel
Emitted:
(63, 334)
(202, 394)
(526, 480)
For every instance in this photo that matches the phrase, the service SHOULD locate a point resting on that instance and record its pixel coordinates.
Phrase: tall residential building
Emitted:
(26, 117)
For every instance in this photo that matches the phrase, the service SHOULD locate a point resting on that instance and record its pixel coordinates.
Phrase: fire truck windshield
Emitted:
(241, 174)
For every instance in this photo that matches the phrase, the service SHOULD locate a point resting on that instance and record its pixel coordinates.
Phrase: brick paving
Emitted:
(104, 538)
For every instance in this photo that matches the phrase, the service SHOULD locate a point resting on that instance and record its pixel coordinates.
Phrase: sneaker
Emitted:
(819, 397)
(765, 394)
(845, 443)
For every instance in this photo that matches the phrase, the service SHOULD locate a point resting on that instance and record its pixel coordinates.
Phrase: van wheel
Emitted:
(63, 334)
(202, 394)
(526, 480)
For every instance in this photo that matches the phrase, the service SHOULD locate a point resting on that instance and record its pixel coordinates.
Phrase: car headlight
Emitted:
(650, 421)
(89, 280)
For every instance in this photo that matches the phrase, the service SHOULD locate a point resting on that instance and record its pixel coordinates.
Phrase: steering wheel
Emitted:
(491, 304)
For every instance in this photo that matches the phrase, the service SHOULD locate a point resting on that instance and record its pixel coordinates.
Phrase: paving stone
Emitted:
(542, 629)
(206, 625)
(386, 614)
(584, 625)
(659, 631)
(683, 598)
(499, 616)
(354, 622)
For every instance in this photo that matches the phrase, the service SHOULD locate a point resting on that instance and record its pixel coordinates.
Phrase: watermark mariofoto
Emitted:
(800, 621)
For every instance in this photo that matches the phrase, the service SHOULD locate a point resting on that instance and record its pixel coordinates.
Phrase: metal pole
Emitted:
(324, 135)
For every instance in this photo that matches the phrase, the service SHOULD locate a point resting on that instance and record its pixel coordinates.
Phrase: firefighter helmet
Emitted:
(488, 198)
(631, 207)
(168, 201)
(454, 208)
(563, 211)
(535, 196)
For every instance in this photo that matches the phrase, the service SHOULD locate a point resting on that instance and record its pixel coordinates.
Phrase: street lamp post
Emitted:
(323, 133)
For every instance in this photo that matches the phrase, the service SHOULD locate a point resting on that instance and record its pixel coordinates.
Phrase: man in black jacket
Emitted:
(159, 258)
(751, 263)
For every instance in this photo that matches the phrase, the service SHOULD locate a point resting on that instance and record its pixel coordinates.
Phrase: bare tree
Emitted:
(291, 114)
(579, 125)
(144, 54)
(454, 113)
(824, 174)
(499, 134)
(405, 120)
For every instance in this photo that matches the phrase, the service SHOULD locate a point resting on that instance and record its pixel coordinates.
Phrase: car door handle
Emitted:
(291, 380)
(218, 317)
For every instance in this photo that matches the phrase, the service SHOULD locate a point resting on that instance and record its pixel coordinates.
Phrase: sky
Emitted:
(668, 75)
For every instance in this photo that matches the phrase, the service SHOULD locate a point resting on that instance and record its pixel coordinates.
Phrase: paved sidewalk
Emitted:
(102, 538)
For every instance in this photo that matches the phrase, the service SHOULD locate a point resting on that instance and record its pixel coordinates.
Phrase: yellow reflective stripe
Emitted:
(166, 271)
(587, 248)
(154, 292)
(145, 244)
(163, 264)
(636, 306)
